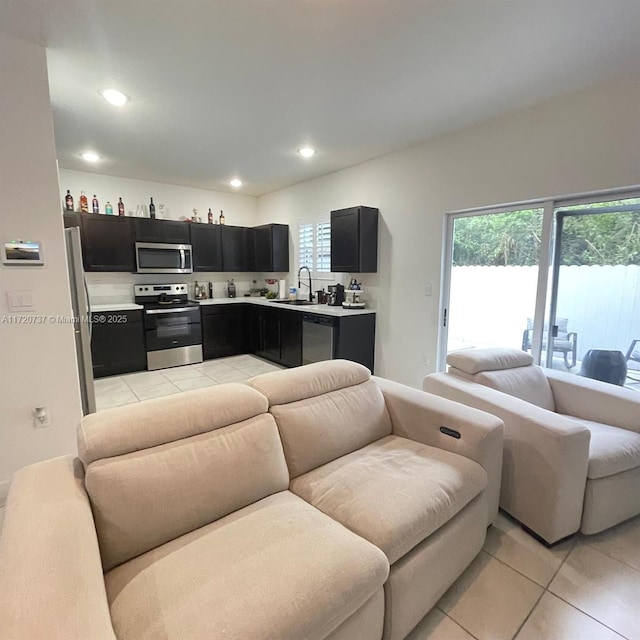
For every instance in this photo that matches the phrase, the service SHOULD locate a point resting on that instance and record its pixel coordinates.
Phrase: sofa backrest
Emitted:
(508, 370)
(324, 411)
(159, 469)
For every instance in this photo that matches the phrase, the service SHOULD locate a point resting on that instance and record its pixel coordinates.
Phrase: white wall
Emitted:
(180, 201)
(585, 141)
(38, 361)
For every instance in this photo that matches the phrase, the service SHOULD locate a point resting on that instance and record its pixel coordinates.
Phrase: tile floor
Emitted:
(516, 589)
(133, 387)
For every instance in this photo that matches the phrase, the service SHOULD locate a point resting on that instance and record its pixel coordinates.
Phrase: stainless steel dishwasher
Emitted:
(318, 337)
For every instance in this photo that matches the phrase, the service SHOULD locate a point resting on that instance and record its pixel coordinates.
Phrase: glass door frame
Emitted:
(548, 267)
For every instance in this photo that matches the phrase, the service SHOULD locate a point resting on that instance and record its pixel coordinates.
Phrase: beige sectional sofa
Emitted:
(312, 503)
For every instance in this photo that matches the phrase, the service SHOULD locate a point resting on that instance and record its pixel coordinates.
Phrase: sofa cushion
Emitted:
(472, 361)
(276, 569)
(319, 429)
(394, 492)
(527, 383)
(146, 498)
(611, 450)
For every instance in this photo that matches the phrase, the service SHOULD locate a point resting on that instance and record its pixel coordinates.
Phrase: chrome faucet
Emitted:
(308, 285)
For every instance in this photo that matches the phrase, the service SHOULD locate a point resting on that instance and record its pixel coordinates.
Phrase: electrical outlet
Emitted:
(41, 418)
(425, 359)
(428, 290)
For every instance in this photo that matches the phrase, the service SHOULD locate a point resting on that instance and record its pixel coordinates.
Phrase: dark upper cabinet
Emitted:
(117, 346)
(225, 330)
(207, 247)
(354, 240)
(235, 248)
(271, 247)
(107, 243)
(71, 219)
(170, 231)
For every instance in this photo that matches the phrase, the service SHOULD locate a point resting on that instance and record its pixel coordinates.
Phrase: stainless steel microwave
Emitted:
(158, 257)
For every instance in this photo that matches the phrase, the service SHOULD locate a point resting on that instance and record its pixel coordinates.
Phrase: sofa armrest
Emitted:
(594, 400)
(546, 457)
(418, 416)
(51, 577)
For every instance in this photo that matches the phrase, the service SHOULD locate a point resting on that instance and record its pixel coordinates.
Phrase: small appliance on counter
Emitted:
(336, 295)
(353, 299)
(172, 327)
(199, 291)
(231, 289)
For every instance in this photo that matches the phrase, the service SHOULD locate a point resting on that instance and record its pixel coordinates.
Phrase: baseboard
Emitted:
(4, 490)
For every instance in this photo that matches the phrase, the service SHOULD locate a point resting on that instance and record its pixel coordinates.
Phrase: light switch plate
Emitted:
(20, 300)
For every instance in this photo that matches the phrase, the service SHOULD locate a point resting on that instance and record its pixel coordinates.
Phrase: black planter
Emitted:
(608, 366)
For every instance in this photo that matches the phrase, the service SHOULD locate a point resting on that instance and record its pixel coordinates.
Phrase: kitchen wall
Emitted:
(585, 141)
(38, 360)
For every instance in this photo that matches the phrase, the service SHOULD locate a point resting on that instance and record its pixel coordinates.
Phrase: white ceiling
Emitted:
(233, 87)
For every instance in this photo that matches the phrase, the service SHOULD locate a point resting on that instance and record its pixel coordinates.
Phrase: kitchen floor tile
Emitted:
(438, 626)
(490, 600)
(259, 369)
(110, 400)
(210, 366)
(195, 383)
(507, 542)
(620, 543)
(144, 379)
(181, 373)
(242, 362)
(554, 619)
(234, 375)
(602, 587)
(113, 384)
(156, 391)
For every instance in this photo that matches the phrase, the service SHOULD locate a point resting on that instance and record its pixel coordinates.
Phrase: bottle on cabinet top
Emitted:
(68, 201)
(120, 207)
(221, 219)
(84, 203)
(210, 216)
(108, 209)
(95, 207)
(152, 210)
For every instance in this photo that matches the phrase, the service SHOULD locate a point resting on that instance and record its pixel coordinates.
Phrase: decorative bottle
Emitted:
(68, 201)
(221, 217)
(95, 207)
(210, 216)
(108, 209)
(84, 203)
(120, 207)
(152, 210)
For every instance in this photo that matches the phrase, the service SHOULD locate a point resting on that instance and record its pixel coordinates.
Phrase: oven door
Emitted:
(171, 328)
(157, 257)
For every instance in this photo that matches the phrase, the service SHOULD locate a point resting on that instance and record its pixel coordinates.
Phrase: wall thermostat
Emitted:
(22, 252)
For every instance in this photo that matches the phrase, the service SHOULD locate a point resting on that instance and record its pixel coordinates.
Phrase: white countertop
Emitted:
(116, 306)
(321, 309)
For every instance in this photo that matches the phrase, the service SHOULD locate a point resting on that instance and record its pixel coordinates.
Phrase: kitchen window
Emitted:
(314, 247)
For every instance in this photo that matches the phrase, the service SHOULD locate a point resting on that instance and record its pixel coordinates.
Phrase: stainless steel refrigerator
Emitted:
(82, 319)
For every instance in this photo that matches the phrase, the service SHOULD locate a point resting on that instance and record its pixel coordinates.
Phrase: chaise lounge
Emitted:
(315, 503)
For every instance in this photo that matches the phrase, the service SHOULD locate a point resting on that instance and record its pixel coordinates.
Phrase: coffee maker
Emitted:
(336, 295)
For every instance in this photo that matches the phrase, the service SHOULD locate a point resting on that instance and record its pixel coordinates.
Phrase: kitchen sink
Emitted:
(294, 302)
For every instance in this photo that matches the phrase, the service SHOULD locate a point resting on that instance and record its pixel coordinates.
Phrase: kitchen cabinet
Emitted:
(107, 243)
(290, 338)
(354, 240)
(269, 328)
(206, 242)
(224, 330)
(117, 343)
(271, 247)
(169, 231)
(356, 339)
(235, 248)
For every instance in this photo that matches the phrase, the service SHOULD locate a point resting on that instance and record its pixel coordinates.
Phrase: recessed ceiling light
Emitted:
(90, 156)
(236, 182)
(307, 152)
(114, 97)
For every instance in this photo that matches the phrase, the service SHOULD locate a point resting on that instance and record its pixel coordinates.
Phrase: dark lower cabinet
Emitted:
(269, 345)
(117, 343)
(224, 330)
(356, 339)
(290, 338)
(107, 243)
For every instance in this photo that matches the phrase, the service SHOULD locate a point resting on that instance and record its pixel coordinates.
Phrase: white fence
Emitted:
(490, 305)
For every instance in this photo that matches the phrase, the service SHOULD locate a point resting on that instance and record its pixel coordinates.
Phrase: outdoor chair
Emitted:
(565, 342)
(633, 356)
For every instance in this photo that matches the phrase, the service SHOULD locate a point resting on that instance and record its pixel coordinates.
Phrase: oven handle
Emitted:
(173, 310)
(182, 259)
